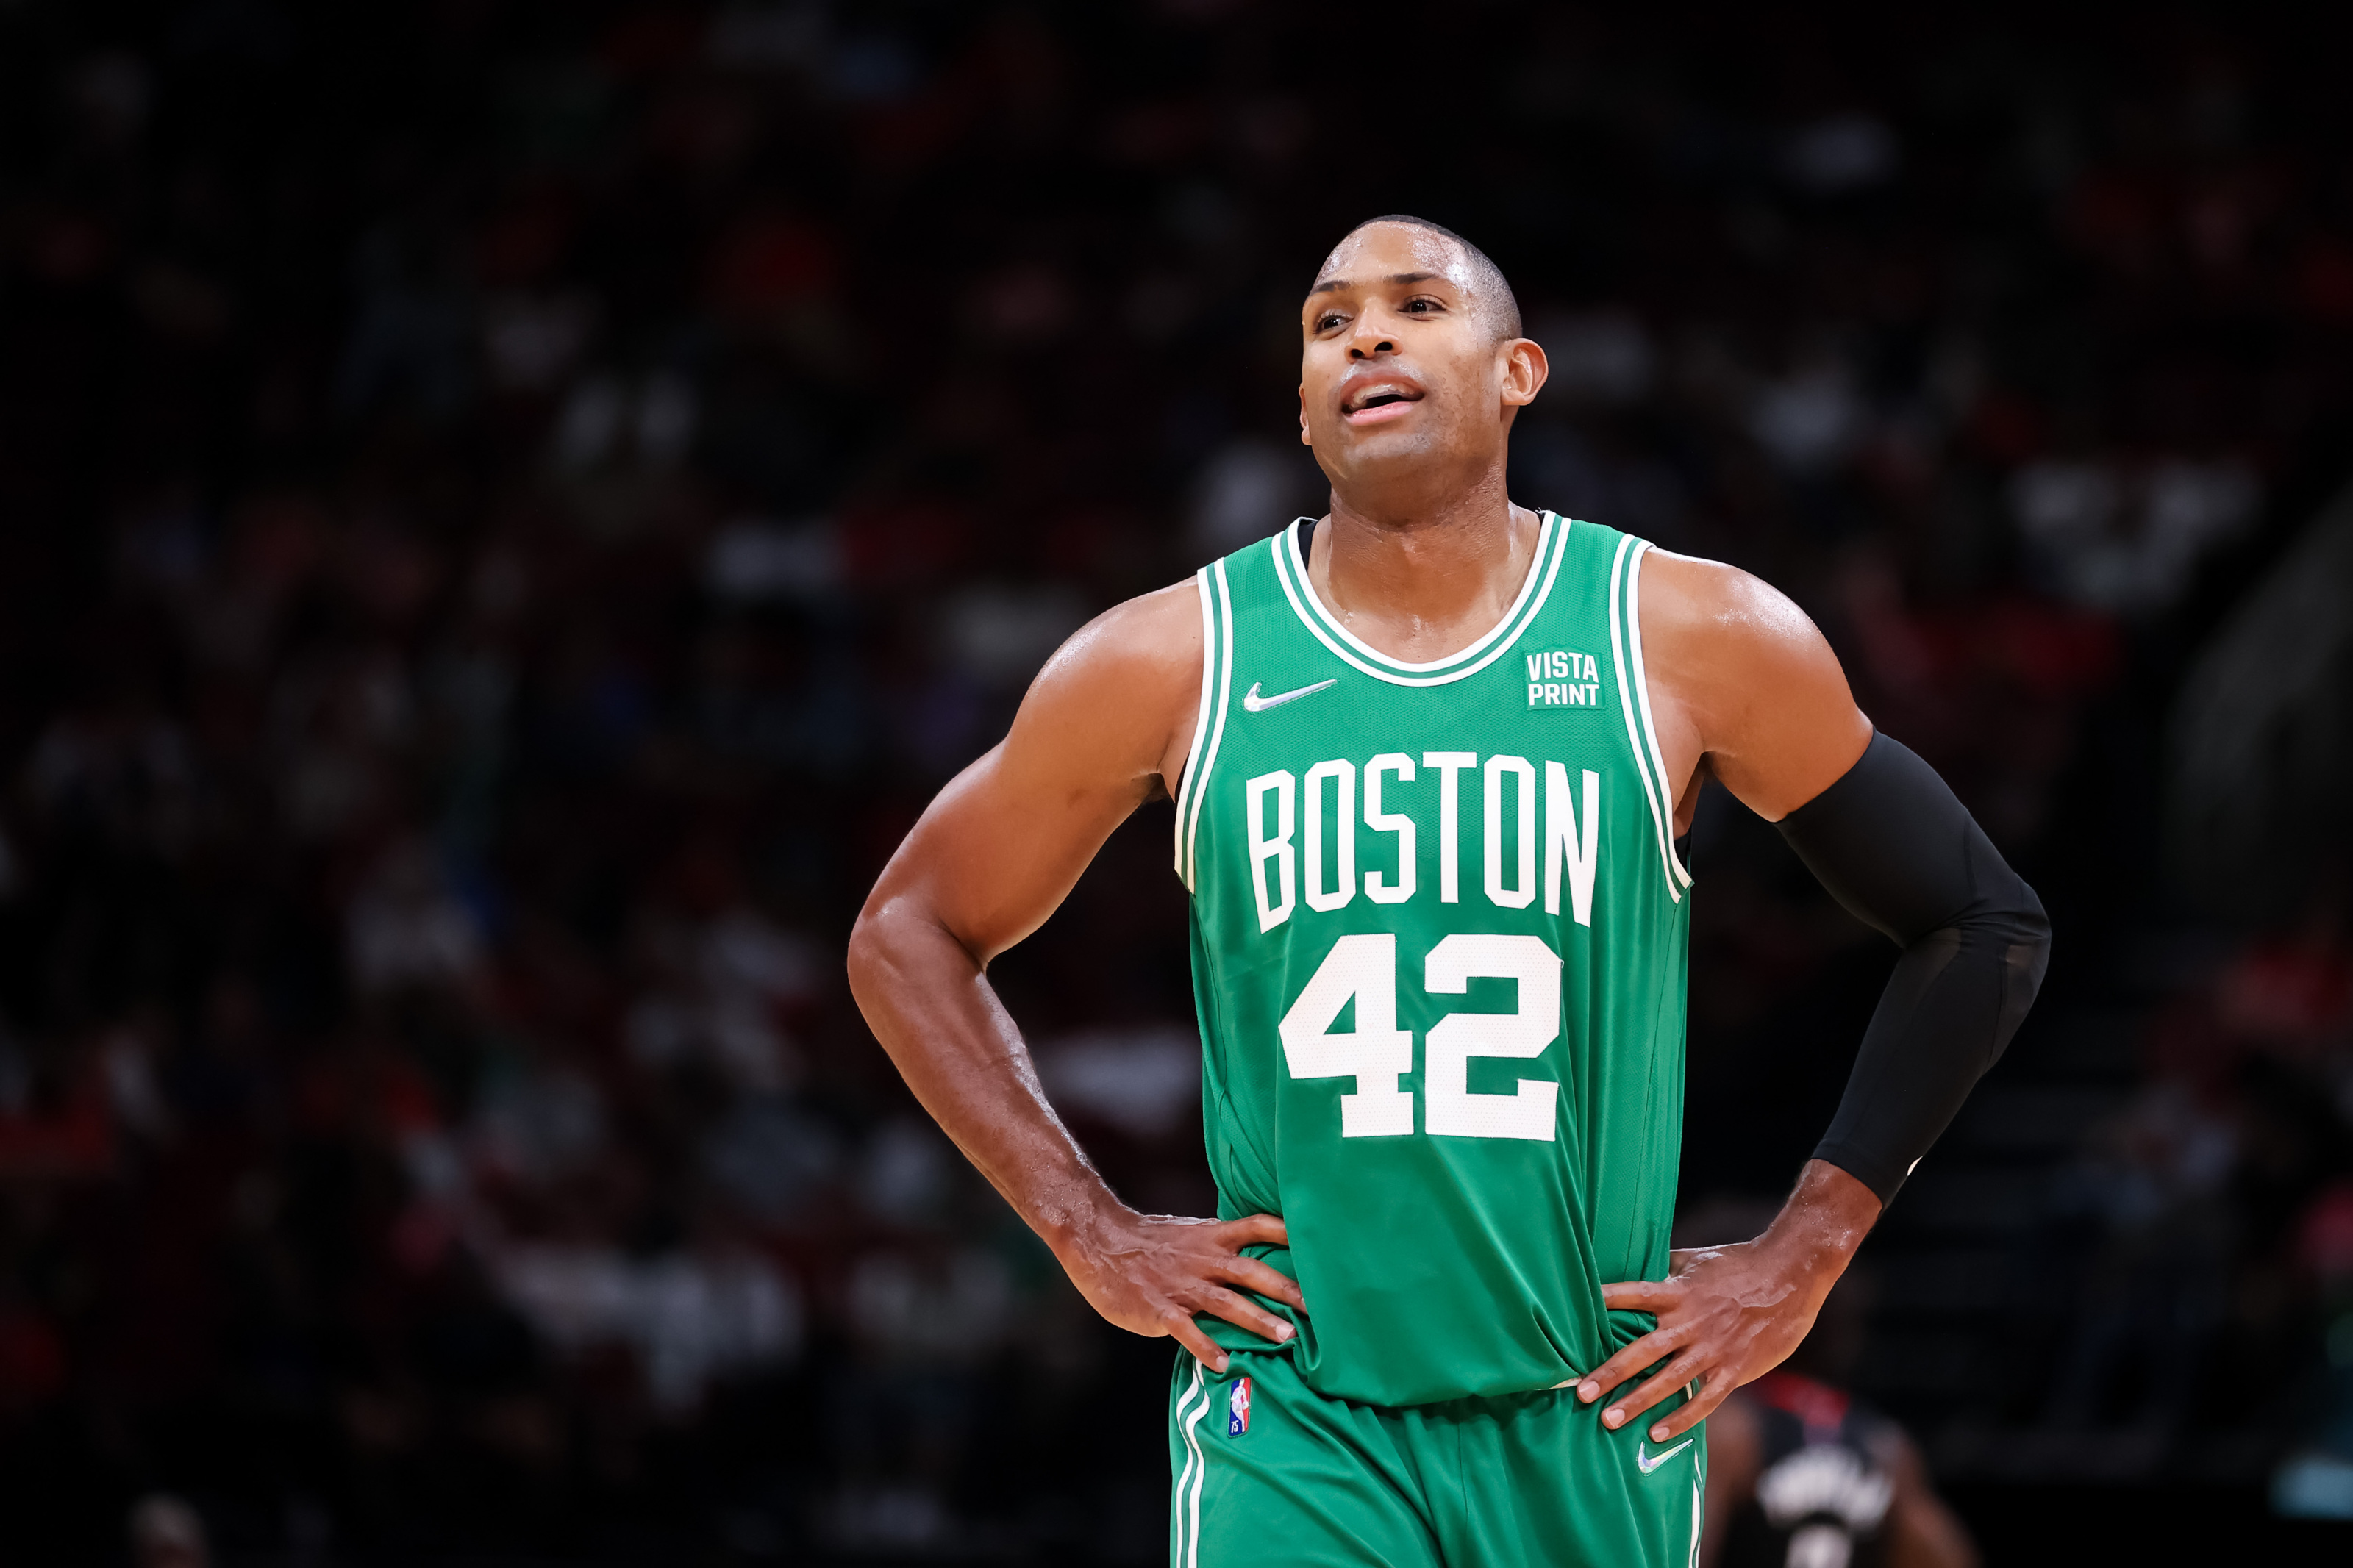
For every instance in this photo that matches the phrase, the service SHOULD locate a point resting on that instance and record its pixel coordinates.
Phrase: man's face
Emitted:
(1400, 367)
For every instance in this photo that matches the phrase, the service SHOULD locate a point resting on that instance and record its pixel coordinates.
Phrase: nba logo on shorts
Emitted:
(1238, 1408)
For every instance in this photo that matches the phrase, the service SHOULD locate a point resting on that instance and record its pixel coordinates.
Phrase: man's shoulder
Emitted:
(1150, 633)
(1694, 589)
(1124, 684)
(1743, 678)
(1717, 618)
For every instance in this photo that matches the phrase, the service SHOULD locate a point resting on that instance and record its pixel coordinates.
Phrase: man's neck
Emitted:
(1423, 586)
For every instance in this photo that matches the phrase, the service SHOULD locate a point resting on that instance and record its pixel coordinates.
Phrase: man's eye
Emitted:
(1324, 324)
(1422, 306)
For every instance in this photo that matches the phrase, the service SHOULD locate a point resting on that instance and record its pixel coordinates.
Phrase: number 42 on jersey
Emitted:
(1376, 1053)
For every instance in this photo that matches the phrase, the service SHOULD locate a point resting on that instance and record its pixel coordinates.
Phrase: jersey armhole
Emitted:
(1210, 722)
(1200, 716)
(1634, 701)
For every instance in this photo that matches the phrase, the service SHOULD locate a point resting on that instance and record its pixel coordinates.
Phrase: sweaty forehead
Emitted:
(1385, 249)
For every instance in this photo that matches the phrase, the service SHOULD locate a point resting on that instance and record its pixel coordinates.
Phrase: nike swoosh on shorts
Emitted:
(1646, 1462)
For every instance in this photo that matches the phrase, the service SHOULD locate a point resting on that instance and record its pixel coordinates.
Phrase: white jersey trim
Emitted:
(1502, 635)
(1298, 557)
(1200, 718)
(1223, 631)
(1642, 701)
(1651, 786)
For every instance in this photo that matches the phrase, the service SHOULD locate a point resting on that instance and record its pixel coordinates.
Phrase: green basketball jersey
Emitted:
(1439, 933)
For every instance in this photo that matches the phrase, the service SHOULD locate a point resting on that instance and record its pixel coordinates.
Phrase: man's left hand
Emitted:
(1730, 1314)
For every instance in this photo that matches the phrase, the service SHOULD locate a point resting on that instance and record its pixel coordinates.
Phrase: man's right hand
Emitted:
(1150, 1273)
(1104, 728)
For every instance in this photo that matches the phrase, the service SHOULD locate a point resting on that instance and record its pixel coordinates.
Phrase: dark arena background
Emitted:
(508, 510)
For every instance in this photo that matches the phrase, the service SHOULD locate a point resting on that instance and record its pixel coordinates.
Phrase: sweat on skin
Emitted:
(1409, 385)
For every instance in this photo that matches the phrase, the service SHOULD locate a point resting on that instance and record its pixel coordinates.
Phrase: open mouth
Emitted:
(1377, 400)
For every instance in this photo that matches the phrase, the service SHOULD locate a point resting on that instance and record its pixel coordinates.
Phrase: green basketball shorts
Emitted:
(1267, 1470)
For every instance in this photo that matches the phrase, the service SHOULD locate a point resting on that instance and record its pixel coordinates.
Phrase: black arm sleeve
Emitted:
(1895, 847)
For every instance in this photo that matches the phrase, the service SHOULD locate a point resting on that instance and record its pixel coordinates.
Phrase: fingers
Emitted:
(1713, 1390)
(1253, 1230)
(1179, 1326)
(1252, 1275)
(1258, 1230)
(1648, 1351)
(1642, 1296)
(1243, 1312)
(1670, 1377)
(1639, 1296)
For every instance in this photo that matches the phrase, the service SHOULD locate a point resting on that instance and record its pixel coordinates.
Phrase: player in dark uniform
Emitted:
(1801, 1474)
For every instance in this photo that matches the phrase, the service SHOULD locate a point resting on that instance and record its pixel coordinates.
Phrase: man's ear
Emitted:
(1524, 370)
(1304, 439)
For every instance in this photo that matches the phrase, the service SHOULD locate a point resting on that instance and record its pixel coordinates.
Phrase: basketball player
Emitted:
(1802, 1473)
(1433, 756)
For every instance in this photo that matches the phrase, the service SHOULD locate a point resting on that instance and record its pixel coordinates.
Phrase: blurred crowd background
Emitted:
(508, 509)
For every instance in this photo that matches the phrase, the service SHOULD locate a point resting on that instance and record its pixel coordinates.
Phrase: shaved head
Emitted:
(1411, 363)
(1488, 287)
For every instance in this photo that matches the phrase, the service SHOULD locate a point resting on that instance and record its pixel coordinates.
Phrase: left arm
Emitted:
(1744, 689)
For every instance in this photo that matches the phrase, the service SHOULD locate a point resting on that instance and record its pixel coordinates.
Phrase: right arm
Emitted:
(1106, 723)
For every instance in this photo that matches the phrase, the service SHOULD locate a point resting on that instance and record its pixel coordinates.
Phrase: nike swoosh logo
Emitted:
(1256, 704)
(1646, 1462)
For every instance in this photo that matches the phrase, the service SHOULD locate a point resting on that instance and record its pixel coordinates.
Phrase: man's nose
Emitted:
(1370, 338)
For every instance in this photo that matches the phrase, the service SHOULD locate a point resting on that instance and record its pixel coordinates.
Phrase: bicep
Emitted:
(1755, 691)
(1003, 843)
